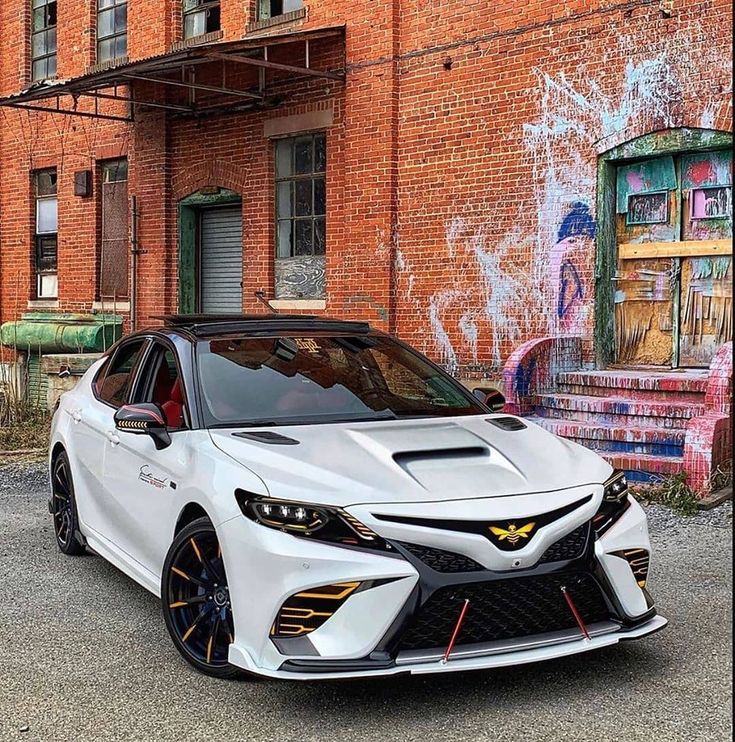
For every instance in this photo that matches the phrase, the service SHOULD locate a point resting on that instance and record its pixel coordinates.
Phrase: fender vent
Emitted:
(507, 423)
(267, 436)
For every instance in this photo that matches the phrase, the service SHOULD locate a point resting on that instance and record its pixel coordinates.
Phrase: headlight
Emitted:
(331, 525)
(615, 501)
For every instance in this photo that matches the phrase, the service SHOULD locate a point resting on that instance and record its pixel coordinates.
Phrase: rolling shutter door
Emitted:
(221, 260)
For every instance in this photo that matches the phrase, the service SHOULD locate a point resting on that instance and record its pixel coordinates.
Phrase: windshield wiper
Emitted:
(307, 420)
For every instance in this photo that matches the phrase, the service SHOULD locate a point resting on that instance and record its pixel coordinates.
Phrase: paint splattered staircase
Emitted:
(635, 419)
(651, 424)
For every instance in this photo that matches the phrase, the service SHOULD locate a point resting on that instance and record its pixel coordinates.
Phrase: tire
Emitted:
(195, 600)
(63, 507)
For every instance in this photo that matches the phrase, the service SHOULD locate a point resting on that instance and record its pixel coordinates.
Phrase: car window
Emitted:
(113, 389)
(161, 383)
(278, 380)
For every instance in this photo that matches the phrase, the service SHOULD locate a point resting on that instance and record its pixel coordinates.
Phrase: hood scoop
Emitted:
(268, 436)
(507, 423)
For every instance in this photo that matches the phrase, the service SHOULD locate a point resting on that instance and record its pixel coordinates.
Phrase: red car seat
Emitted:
(173, 408)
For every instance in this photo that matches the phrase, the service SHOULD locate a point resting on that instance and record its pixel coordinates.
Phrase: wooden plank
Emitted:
(685, 248)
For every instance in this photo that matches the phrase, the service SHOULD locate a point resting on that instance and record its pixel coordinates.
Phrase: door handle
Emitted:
(113, 438)
(76, 415)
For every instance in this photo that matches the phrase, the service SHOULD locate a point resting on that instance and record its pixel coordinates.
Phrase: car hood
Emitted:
(412, 460)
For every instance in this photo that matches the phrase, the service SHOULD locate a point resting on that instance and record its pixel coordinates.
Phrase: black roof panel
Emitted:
(203, 325)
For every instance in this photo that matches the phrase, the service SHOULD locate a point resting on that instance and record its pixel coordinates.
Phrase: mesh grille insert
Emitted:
(504, 609)
(442, 561)
(570, 546)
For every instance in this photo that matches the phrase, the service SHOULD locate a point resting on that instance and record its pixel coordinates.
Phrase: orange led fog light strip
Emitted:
(306, 611)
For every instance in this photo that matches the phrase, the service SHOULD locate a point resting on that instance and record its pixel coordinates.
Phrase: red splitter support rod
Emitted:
(460, 621)
(575, 613)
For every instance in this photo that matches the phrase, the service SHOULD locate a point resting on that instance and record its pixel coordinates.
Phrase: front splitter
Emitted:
(241, 658)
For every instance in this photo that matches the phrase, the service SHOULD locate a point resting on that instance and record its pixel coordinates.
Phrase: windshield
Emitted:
(312, 379)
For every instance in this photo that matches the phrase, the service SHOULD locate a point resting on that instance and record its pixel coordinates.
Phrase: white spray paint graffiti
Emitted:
(575, 114)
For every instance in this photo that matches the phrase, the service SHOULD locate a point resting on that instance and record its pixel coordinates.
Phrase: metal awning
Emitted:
(176, 73)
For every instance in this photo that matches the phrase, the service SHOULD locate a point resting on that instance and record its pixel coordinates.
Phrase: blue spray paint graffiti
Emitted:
(577, 224)
(523, 378)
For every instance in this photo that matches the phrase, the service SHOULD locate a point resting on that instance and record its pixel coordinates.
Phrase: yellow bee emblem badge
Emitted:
(513, 534)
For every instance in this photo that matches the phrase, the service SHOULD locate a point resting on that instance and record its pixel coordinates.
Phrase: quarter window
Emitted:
(115, 386)
(43, 39)
(46, 234)
(201, 17)
(301, 196)
(273, 8)
(112, 29)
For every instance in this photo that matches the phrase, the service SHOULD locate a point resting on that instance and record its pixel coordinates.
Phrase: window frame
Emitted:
(201, 6)
(263, 16)
(44, 5)
(116, 34)
(113, 167)
(293, 178)
(145, 379)
(101, 376)
(40, 237)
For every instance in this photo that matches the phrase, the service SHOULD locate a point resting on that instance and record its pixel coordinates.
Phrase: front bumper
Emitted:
(367, 635)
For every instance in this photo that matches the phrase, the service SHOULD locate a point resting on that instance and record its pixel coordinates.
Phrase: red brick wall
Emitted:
(464, 135)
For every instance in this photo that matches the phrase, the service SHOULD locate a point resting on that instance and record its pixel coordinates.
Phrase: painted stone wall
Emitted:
(497, 223)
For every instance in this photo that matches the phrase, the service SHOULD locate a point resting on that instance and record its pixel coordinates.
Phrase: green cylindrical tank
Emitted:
(42, 332)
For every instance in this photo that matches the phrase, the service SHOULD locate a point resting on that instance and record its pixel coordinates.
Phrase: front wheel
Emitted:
(196, 600)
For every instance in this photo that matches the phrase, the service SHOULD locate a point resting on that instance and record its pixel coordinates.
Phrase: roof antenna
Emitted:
(260, 296)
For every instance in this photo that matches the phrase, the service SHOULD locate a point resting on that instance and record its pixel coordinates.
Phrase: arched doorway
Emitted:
(210, 253)
(664, 250)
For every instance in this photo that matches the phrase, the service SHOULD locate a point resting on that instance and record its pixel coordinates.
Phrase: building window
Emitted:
(112, 29)
(273, 8)
(114, 247)
(201, 17)
(43, 39)
(301, 196)
(46, 234)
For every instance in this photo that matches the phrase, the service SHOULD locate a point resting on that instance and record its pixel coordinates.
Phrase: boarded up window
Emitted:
(114, 266)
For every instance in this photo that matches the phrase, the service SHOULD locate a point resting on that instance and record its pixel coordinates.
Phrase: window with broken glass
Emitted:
(201, 17)
(46, 234)
(301, 196)
(273, 8)
(112, 29)
(43, 39)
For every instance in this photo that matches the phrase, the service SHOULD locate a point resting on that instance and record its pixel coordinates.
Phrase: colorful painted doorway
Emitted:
(673, 273)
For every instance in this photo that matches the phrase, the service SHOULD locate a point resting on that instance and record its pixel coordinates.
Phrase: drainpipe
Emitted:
(134, 251)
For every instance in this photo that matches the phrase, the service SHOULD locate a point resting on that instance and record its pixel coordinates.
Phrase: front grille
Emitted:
(570, 546)
(442, 561)
(504, 609)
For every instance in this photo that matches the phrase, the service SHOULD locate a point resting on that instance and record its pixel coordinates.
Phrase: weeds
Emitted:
(674, 492)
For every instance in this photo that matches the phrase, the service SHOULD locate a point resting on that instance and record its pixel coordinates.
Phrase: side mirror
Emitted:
(144, 419)
(490, 397)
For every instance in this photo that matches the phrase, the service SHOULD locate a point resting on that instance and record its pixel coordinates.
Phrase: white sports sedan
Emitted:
(312, 498)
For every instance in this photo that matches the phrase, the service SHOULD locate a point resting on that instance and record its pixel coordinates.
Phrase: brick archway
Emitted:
(209, 174)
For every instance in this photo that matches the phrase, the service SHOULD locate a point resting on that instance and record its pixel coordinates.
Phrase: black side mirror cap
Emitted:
(494, 399)
(145, 418)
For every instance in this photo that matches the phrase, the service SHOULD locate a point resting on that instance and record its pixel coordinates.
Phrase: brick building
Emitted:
(472, 176)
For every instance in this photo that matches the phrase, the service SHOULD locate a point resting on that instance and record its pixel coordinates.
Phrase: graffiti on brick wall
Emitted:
(537, 279)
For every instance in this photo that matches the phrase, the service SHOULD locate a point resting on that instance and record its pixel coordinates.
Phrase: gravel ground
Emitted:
(85, 655)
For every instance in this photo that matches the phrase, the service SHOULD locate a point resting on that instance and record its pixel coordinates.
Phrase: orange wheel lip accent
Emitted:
(178, 604)
(209, 650)
(180, 573)
(196, 549)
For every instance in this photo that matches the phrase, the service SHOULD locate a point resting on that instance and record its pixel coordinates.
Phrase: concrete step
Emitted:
(618, 410)
(685, 386)
(613, 438)
(645, 469)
